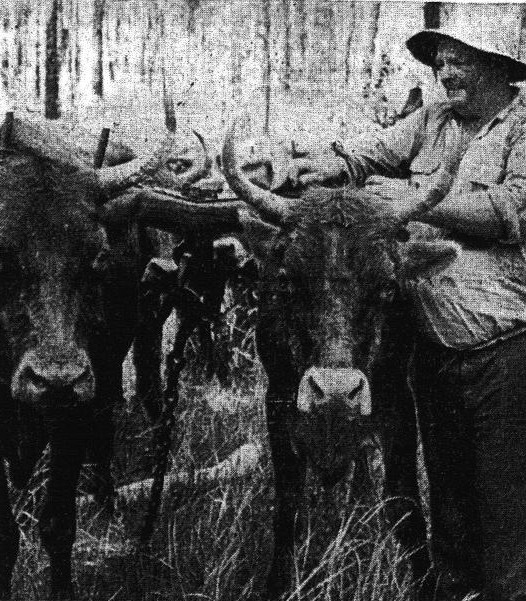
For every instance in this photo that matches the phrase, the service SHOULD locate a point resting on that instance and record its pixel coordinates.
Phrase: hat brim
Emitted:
(423, 46)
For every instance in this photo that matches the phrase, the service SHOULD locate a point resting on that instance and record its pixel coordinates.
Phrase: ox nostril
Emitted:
(81, 378)
(356, 389)
(56, 381)
(83, 384)
(36, 379)
(316, 387)
(73, 381)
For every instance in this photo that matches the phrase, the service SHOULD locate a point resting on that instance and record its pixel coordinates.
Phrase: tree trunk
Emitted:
(267, 65)
(295, 64)
(52, 108)
(98, 69)
(432, 15)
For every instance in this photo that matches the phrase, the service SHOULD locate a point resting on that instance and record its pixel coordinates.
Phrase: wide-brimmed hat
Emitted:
(423, 46)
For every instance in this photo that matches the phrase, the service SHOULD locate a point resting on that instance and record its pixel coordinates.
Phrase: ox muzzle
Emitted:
(49, 383)
(331, 406)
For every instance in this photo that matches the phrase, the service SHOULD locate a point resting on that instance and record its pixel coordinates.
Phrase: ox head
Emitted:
(52, 255)
(331, 263)
(70, 268)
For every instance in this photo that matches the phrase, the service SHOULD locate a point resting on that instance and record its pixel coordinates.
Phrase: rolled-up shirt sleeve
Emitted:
(388, 152)
(509, 198)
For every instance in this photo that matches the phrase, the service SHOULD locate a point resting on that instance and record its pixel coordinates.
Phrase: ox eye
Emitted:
(402, 234)
(101, 262)
(178, 165)
(387, 294)
(284, 281)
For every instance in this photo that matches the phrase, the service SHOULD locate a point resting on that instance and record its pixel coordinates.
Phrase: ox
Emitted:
(70, 266)
(332, 337)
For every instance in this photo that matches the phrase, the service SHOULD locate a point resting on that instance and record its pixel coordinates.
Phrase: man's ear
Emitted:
(257, 235)
(424, 259)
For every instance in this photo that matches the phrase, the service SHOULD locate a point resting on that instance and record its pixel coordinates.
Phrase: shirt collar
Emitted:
(501, 115)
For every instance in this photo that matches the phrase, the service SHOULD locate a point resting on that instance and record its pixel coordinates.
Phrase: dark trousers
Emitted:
(472, 413)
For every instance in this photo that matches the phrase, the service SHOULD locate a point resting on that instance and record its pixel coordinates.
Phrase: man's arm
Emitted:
(471, 214)
(387, 153)
(498, 212)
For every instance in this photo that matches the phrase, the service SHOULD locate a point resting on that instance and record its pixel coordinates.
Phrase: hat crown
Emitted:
(482, 39)
(494, 29)
(489, 27)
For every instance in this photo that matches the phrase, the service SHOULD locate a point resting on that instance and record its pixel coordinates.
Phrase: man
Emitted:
(469, 367)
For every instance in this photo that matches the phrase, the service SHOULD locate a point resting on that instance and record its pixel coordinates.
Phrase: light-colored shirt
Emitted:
(481, 296)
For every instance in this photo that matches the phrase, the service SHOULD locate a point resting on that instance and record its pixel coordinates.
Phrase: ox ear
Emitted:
(421, 259)
(230, 252)
(257, 235)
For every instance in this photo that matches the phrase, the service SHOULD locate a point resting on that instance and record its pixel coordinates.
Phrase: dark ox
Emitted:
(70, 268)
(332, 328)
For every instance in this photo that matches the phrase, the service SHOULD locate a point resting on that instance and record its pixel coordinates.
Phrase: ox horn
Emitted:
(439, 189)
(271, 207)
(59, 143)
(155, 169)
(203, 168)
(166, 211)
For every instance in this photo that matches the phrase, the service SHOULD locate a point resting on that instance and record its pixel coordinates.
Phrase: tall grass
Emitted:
(215, 545)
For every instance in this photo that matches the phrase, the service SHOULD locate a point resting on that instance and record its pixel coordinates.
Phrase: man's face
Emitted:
(464, 74)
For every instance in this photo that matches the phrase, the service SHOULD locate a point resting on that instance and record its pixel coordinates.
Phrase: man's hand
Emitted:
(396, 191)
(425, 205)
(304, 172)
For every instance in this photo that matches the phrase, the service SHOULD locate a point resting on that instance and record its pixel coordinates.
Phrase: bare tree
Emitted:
(432, 15)
(267, 65)
(98, 70)
(52, 105)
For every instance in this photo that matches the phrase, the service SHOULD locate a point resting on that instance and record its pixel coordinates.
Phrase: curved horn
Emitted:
(271, 207)
(169, 213)
(63, 146)
(118, 153)
(63, 143)
(156, 169)
(432, 197)
(113, 180)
